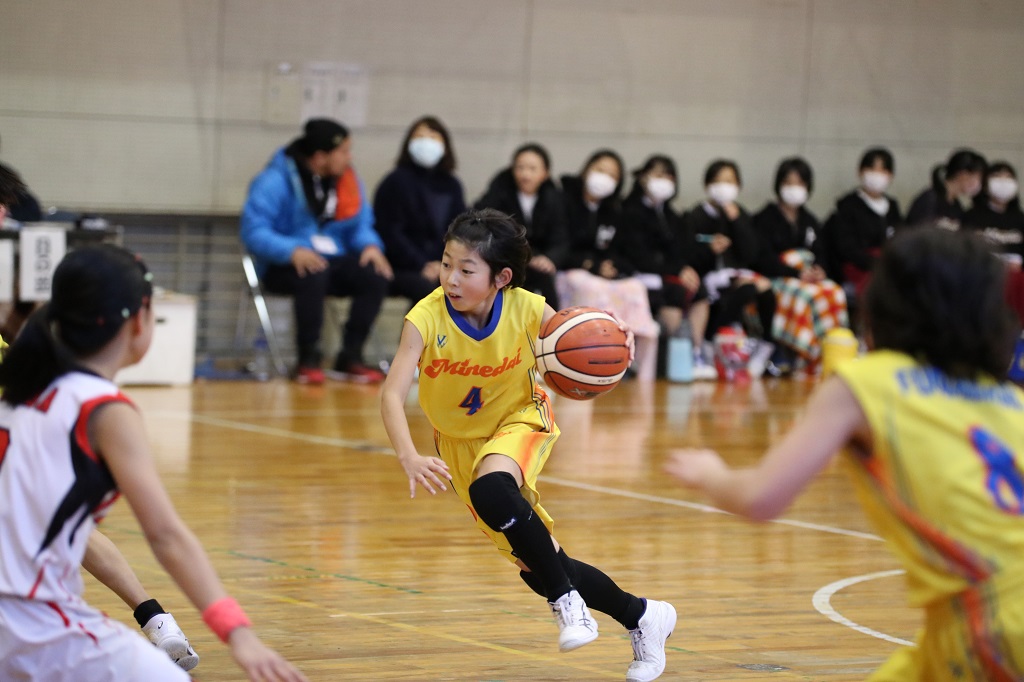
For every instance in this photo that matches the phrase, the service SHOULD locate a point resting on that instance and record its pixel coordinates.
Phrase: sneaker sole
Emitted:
(188, 662)
(179, 651)
(574, 644)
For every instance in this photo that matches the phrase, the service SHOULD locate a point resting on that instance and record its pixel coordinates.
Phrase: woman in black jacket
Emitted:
(998, 216)
(808, 304)
(526, 192)
(598, 274)
(414, 205)
(954, 186)
(655, 245)
(726, 258)
(862, 222)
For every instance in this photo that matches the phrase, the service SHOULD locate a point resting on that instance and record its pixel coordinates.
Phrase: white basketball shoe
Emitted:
(575, 624)
(655, 627)
(163, 631)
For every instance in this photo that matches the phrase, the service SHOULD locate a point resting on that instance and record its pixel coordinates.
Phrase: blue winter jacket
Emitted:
(276, 218)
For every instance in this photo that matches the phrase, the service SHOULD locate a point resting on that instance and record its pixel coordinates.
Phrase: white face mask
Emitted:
(793, 195)
(1002, 188)
(426, 151)
(660, 189)
(600, 185)
(723, 193)
(875, 181)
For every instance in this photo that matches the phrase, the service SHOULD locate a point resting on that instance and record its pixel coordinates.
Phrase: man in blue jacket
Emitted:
(309, 227)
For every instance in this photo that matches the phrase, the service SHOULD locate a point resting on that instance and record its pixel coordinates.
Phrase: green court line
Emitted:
(318, 572)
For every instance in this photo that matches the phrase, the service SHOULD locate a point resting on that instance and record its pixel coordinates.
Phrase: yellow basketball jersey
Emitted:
(944, 484)
(472, 381)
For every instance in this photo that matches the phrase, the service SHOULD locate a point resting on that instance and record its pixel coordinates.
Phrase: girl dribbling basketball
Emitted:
(472, 340)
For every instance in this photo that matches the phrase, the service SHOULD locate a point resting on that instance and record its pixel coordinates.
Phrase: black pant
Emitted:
(542, 283)
(412, 285)
(728, 310)
(343, 277)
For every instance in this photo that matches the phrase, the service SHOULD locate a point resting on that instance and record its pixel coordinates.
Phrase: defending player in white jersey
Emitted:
(70, 444)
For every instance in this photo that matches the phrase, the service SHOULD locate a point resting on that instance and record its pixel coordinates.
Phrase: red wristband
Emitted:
(223, 616)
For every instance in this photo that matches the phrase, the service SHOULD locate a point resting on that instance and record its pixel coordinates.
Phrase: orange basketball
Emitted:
(582, 353)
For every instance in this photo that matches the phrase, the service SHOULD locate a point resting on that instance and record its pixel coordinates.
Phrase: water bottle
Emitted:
(838, 346)
(679, 367)
(259, 367)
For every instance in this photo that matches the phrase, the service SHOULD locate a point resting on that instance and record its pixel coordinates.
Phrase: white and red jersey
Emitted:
(53, 488)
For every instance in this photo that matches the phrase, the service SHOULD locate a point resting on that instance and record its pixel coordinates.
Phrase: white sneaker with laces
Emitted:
(655, 627)
(163, 631)
(576, 626)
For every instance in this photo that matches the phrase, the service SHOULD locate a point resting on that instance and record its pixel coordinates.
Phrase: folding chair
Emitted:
(259, 301)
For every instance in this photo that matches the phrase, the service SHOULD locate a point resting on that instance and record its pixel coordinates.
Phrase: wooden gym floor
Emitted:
(305, 512)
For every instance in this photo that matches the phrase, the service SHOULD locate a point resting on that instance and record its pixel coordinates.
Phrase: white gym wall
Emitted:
(162, 105)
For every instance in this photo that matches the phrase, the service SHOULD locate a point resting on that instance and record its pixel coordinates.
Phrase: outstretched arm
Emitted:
(430, 472)
(116, 433)
(832, 420)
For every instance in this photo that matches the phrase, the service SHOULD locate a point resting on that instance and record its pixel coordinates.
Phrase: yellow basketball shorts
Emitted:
(523, 443)
(975, 637)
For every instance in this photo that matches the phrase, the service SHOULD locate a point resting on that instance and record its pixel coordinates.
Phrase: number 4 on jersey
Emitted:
(473, 402)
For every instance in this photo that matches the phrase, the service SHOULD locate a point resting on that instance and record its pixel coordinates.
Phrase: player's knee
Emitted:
(498, 502)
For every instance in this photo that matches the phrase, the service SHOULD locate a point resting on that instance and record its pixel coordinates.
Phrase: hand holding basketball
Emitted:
(583, 352)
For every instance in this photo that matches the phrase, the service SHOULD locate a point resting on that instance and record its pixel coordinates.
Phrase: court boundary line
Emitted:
(822, 601)
(372, 448)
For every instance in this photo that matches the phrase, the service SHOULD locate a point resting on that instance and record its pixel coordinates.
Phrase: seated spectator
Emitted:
(289, 224)
(954, 186)
(997, 214)
(526, 192)
(726, 256)
(861, 223)
(598, 275)
(808, 304)
(414, 205)
(653, 242)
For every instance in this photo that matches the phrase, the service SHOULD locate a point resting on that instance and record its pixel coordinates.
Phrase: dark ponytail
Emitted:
(34, 360)
(96, 289)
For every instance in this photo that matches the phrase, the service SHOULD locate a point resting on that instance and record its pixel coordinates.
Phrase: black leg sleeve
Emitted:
(499, 503)
(601, 593)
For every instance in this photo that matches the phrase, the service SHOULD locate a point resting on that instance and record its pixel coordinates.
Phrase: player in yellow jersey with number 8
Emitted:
(934, 435)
